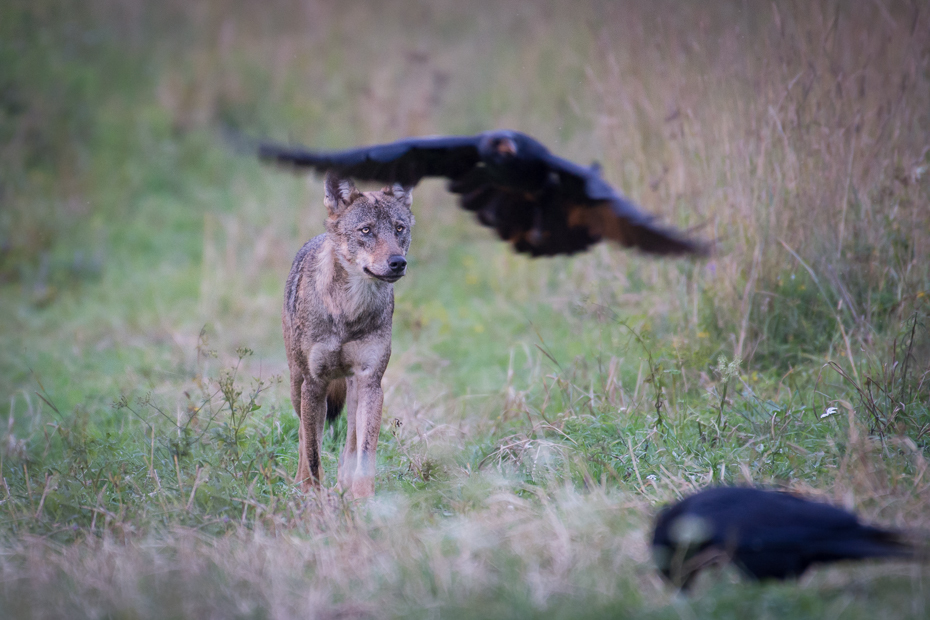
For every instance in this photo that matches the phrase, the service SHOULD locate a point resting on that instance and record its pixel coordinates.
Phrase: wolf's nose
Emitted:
(397, 263)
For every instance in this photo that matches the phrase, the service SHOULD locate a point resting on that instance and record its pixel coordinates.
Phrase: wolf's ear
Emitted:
(338, 193)
(404, 194)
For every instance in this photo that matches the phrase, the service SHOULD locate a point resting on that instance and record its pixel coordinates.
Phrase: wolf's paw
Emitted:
(363, 487)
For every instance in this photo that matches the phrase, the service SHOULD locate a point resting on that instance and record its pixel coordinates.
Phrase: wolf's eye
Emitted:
(365, 230)
(400, 228)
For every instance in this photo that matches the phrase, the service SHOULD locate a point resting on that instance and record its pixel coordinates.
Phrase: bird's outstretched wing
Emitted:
(542, 204)
(575, 209)
(601, 209)
(405, 161)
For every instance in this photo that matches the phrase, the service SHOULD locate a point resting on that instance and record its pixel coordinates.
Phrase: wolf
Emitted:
(337, 317)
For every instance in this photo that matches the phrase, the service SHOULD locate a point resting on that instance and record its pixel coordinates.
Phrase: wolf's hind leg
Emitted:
(335, 398)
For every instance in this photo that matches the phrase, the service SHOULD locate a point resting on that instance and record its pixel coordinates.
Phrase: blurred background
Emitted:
(141, 255)
(795, 136)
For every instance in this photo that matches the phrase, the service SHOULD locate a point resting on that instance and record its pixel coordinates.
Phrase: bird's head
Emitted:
(499, 145)
(505, 145)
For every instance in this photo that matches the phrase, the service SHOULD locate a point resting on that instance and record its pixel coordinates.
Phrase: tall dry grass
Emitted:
(797, 132)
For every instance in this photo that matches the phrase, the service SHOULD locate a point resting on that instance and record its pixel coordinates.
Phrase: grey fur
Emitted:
(337, 315)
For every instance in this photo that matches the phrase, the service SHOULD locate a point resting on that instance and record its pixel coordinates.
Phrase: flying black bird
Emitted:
(767, 534)
(543, 204)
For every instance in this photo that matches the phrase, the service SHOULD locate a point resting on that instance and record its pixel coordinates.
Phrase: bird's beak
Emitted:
(506, 146)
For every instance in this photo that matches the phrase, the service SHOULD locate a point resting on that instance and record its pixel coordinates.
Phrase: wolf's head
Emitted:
(371, 230)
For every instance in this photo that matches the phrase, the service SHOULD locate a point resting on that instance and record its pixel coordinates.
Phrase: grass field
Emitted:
(537, 413)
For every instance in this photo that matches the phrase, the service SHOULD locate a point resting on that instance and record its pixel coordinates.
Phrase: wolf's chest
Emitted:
(334, 358)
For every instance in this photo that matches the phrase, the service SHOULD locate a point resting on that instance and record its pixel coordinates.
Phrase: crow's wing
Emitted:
(591, 203)
(783, 535)
(766, 519)
(576, 209)
(818, 531)
(404, 161)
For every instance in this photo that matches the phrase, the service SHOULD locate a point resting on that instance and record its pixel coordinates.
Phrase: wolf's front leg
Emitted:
(348, 460)
(367, 428)
(312, 417)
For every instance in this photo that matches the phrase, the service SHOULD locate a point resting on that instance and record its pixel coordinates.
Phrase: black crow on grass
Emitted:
(542, 204)
(769, 535)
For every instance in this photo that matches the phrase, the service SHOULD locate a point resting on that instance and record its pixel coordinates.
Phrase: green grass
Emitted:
(537, 413)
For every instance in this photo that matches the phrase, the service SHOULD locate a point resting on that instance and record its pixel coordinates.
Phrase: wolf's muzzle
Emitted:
(397, 264)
